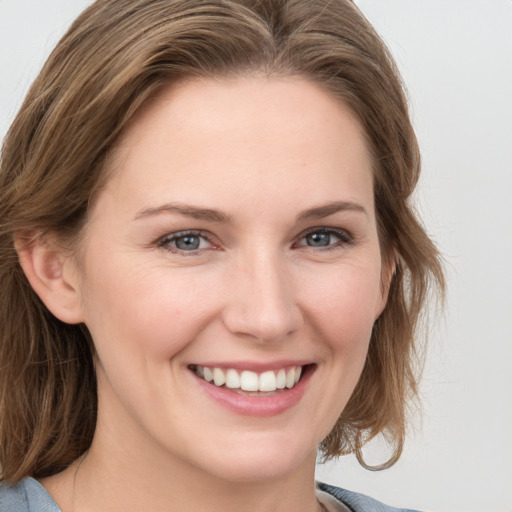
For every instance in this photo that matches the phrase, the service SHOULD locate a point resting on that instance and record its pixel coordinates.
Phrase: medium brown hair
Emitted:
(114, 57)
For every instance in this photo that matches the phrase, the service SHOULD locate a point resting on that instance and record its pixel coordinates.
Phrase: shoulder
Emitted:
(26, 496)
(358, 502)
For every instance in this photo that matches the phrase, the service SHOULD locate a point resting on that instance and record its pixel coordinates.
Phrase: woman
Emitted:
(210, 266)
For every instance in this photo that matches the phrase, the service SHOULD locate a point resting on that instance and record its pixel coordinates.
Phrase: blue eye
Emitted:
(320, 238)
(188, 241)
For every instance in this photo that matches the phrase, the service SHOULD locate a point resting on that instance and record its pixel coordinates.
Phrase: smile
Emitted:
(250, 381)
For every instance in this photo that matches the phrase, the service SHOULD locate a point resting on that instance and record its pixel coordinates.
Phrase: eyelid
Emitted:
(164, 241)
(344, 236)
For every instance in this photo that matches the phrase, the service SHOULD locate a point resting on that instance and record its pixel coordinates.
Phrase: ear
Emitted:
(387, 272)
(53, 275)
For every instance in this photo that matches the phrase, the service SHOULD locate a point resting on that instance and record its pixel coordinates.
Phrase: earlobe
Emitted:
(52, 275)
(387, 273)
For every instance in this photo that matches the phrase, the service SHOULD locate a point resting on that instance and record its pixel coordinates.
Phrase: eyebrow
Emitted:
(318, 212)
(186, 210)
(323, 211)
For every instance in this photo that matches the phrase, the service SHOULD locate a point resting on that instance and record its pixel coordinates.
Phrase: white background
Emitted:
(456, 58)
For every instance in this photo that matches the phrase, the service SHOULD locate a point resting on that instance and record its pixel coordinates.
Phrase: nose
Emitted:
(260, 299)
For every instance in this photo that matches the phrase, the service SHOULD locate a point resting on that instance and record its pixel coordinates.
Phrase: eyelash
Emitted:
(168, 239)
(343, 236)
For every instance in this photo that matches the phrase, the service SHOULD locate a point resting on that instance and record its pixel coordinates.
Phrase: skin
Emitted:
(262, 151)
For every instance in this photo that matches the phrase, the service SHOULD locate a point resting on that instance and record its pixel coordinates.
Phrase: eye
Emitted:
(325, 238)
(186, 241)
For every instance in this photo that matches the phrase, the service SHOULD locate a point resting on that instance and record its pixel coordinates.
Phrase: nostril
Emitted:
(262, 324)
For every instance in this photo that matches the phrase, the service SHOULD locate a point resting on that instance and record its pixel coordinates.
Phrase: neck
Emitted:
(176, 487)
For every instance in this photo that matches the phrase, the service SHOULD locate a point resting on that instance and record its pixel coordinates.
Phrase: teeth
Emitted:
(251, 381)
(290, 378)
(267, 381)
(232, 379)
(207, 373)
(281, 379)
(219, 378)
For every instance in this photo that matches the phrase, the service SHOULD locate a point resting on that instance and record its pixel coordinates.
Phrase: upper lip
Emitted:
(255, 366)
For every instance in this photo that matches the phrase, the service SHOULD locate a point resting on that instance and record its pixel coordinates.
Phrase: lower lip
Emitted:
(263, 405)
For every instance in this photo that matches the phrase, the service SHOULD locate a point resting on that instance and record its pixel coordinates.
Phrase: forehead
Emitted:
(288, 103)
(254, 134)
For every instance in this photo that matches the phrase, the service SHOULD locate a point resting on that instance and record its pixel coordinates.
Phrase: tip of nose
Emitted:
(263, 326)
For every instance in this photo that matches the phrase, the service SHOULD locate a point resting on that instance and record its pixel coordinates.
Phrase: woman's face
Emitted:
(236, 240)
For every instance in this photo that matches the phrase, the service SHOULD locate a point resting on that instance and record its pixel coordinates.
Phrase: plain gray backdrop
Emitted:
(456, 59)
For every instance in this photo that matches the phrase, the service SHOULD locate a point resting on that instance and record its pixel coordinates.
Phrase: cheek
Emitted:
(135, 310)
(345, 303)
(342, 314)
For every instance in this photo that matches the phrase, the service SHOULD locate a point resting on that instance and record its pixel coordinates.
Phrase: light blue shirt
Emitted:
(27, 496)
(30, 496)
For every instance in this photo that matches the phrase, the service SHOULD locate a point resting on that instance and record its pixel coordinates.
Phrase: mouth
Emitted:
(251, 383)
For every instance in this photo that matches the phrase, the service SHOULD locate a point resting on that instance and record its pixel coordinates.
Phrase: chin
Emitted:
(260, 459)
